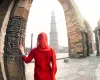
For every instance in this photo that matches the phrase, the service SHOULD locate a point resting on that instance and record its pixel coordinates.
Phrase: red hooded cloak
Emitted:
(45, 59)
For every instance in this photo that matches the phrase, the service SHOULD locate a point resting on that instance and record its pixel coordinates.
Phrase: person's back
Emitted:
(45, 59)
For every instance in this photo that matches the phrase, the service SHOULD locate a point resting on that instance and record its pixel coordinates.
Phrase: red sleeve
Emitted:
(30, 57)
(54, 65)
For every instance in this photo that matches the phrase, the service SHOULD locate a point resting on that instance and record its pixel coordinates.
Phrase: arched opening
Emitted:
(40, 20)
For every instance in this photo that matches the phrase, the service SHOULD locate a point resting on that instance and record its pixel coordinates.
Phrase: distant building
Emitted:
(63, 49)
(53, 33)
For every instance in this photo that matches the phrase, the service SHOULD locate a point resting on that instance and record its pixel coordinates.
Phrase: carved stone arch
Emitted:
(74, 24)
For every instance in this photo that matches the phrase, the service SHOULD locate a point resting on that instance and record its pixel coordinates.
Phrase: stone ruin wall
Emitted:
(73, 22)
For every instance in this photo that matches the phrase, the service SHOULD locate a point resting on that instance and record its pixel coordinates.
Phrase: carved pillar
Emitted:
(15, 34)
(97, 42)
(89, 37)
(87, 44)
(84, 44)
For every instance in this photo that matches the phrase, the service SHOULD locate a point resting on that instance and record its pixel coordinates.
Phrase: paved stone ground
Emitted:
(76, 69)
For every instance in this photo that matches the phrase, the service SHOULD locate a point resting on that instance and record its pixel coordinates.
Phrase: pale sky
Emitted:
(40, 18)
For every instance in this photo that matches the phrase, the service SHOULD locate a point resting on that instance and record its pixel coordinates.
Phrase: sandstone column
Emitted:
(15, 35)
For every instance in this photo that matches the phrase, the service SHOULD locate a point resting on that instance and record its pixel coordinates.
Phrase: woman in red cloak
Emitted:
(45, 59)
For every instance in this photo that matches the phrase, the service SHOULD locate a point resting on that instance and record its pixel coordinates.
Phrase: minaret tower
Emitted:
(53, 33)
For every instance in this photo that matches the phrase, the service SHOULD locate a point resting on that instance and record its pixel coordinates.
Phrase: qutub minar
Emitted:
(53, 33)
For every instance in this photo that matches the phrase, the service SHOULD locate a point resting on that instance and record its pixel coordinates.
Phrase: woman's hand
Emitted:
(21, 48)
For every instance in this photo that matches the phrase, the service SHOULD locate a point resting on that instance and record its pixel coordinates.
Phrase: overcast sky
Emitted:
(40, 18)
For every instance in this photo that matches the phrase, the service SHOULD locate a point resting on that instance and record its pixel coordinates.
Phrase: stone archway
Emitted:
(13, 20)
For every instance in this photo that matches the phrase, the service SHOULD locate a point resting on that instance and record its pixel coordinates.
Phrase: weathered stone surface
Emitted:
(97, 38)
(24, 4)
(22, 9)
(14, 65)
(21, 12)
(76, 29)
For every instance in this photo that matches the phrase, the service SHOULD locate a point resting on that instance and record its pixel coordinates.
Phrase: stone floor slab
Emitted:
(76, 69)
